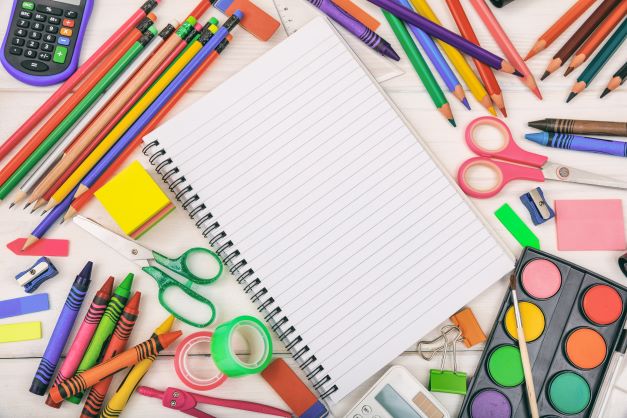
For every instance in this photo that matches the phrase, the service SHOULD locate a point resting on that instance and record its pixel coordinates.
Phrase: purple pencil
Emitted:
(447, 36)
(355, 27)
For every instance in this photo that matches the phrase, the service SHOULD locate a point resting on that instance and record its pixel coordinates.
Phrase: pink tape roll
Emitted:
(183, 370)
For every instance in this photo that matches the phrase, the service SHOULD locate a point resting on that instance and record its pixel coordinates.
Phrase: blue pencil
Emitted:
(49, 220)
(438, 61)
(161, 101)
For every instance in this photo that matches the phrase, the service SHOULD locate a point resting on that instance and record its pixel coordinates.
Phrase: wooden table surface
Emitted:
(524, 21)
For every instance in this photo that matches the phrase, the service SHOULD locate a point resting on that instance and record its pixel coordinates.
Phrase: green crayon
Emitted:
(105, 328)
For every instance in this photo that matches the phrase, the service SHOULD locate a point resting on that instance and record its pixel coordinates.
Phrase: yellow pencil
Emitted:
(458, 60)
(124, 124)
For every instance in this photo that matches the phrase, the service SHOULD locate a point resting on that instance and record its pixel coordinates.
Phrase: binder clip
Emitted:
(441, 380)
(31, 279)
(472, 334)
(537, 206)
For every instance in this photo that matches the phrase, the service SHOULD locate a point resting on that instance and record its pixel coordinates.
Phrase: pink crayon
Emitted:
(83, 336)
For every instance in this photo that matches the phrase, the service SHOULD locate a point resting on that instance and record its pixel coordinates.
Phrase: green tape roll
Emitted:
(259, 342)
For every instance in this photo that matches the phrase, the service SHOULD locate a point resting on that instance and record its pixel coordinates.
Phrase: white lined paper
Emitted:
(355, 231)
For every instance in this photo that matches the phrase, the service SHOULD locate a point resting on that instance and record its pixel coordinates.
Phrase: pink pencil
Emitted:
(499, 35)
(67, 87)
(83, 336)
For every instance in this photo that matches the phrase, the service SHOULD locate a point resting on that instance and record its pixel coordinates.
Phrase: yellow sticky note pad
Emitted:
(134, 200)
(21, 331)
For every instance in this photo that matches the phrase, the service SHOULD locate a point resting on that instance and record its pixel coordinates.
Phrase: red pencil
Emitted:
(65, 89)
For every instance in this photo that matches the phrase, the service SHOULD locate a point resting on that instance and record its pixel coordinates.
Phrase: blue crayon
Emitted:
(579, 143)
(62, 331)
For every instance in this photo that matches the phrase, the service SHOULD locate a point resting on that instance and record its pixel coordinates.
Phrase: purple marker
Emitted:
(579, 143)
(62, 331)
(355, 27)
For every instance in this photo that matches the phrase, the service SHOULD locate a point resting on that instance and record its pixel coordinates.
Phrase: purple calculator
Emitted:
(43, 41)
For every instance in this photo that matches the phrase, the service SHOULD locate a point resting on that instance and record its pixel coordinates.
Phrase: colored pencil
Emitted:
(617, 80)
(201, 8)
(569, 48)
(599, 60)
(506, 45)
(117, 344)
(210, 43)
(121, 396)
(552, 33)
(420, 65)
(84, 198)
(581, 127)
(438, 61)
(63, 145)
(457, 59)
(83, 336)
(64, 110)
(115, 109)
(446, 35)
(128, 358)
(81, 74)
(597, 37)
(485, 72)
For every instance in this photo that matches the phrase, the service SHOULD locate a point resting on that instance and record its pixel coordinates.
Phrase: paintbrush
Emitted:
(524, 354)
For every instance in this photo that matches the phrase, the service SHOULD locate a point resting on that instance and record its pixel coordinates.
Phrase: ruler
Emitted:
(295, 14)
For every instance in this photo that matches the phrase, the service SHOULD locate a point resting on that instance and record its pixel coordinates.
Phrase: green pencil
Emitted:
(76, 114)
(600, 59)
(420, 65)
(105, 328)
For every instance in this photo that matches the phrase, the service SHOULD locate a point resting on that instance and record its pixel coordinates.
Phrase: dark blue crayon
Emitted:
(62, 331)
(579, 143)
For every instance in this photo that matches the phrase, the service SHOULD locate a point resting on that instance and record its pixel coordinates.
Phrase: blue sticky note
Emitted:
(24, 305)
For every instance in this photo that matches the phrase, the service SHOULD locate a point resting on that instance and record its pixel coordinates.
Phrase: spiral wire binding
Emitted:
(211, 229)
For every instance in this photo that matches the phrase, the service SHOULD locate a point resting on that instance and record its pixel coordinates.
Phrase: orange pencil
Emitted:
(597, 37)
(73, 100)
(485, 72)
(567, 19)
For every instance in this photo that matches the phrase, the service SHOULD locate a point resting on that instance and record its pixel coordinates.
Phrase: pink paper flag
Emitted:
(590, 225)
(43, 247)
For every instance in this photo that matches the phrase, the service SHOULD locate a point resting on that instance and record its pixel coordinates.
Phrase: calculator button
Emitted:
(47, 47)
(50, 38)
(38, 26)
(60, 53)
(21, 32)
(64, 41)
(15, 50)
(39, 17)
(44, 56)
(53, 20)
(32, 44)
(50, 10)
(68, 23)
(71, 14)
(366, 409)
(37, 66)
(35, 35)
(65, 32)
(23, 23)
(18, 41)
(25, 15)
(28, 5)
(30, 53)
(51, 29)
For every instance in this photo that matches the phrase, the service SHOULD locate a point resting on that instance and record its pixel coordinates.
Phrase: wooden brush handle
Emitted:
(531, 392)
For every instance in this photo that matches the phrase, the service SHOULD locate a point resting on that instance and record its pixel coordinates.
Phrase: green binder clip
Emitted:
(440, 380)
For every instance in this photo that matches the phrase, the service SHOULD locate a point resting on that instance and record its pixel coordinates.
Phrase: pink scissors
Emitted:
(510, 162)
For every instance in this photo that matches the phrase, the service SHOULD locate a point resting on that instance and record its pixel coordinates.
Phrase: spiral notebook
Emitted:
(326, 207)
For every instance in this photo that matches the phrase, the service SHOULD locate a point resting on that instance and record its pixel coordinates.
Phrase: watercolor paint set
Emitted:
(573, 320)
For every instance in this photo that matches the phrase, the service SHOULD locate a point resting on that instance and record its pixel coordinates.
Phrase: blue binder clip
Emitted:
(537, 206)
(31, 279)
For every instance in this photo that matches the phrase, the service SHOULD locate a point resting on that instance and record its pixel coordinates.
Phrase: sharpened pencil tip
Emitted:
(452, 122)
(503, 111)
(518, 73)
(605, 93)
(571, 96)
(44, 212)
(27, 205)
(465, 103)
(568, 71)
(545, 75)
(11, 205)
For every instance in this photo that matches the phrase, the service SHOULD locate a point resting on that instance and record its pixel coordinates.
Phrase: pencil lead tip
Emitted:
(62, 220)
(11, 205)
(452, 122)
(571, 96)
(518, 73)
(568, 71)
(27, 205)
(44, 212)
(503, 111)
(545, 75)
(465, 103)
(605, 93)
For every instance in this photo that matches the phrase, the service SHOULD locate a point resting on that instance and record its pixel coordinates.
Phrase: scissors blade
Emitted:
(554, 171)
(126, 247)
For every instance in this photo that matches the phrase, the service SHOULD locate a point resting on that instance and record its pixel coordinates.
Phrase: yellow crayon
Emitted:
(457, 59)
(126, 122)
(133, 378)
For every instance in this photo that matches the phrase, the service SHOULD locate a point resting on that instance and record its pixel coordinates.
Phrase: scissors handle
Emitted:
(508, 151)
(505, 173)
(181, 266)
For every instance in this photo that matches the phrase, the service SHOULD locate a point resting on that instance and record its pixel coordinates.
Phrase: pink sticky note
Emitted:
(590, 225)
(43, 247)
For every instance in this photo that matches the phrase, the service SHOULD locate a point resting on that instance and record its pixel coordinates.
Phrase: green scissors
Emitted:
(142, 256)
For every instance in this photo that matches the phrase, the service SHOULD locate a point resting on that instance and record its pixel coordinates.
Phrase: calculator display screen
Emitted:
(74, 2)
(395, 405)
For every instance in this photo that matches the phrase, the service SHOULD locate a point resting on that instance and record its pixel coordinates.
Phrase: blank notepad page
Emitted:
(354, 230)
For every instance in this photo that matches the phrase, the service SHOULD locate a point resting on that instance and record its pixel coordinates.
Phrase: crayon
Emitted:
(105, 329)
(584, 127)
(579, 143)
(120, 398)
(128, 358)
(62, 331)
(122, 332)
(83, 336)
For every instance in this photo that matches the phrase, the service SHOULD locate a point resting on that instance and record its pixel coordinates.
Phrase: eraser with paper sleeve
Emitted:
(259, 23)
